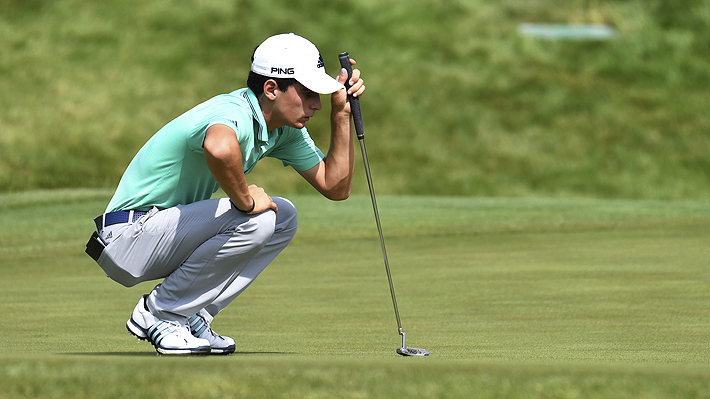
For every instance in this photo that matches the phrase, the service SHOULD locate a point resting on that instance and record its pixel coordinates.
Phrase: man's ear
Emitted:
(270, 89)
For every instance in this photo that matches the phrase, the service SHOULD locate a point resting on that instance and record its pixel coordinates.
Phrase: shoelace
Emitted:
(214, 334)
(173, 326)
(208, 328)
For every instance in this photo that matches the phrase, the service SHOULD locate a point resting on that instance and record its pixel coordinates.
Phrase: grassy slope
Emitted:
(458, 102)
(513, 297)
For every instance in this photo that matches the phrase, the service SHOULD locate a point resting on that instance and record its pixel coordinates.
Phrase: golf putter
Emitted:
(360, 131)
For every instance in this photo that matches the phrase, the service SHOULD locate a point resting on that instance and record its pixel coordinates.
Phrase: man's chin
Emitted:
(298, 125)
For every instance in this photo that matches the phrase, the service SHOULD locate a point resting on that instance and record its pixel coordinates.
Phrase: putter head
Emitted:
(404, 351)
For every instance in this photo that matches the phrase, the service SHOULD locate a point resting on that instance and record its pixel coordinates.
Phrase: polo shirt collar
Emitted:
(260, 128)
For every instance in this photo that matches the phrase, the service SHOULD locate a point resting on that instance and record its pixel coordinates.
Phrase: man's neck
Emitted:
(267, 107)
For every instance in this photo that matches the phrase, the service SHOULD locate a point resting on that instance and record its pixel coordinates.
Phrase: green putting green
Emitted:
(513, 298)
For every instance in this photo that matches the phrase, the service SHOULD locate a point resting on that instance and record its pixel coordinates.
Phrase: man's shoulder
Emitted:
(237, 98)
(234, 106)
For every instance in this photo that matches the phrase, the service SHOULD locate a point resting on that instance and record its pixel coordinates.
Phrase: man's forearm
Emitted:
(339, 162)
(224, 159)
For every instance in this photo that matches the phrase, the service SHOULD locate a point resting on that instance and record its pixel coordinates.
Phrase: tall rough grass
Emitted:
(458, 101)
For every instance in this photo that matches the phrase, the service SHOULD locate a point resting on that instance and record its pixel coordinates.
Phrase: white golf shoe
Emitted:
(168, 337)
(200, 328)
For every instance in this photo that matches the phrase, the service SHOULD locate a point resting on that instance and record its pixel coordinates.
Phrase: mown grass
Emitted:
(115, 377)
(518, 298)
(459, 103)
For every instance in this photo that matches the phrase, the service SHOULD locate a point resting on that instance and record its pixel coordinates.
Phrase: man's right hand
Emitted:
(262, 201)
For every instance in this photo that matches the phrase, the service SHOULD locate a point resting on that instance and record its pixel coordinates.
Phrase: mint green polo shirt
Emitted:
(170, 169)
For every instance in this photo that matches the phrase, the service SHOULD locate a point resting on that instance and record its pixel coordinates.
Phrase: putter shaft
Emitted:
(382, 238)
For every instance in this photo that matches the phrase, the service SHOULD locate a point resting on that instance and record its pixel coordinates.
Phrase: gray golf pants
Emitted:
(207, 253)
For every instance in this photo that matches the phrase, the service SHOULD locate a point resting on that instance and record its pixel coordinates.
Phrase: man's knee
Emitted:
(287, 217)
(260, 228)
(269, 226)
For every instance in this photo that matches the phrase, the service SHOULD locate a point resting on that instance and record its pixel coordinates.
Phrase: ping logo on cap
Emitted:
(321, 64)
(283, 71)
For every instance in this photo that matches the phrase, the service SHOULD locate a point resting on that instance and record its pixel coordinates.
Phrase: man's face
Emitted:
(296, 105)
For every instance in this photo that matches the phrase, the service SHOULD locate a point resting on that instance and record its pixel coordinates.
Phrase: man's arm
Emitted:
(333, 176)
(224, 159)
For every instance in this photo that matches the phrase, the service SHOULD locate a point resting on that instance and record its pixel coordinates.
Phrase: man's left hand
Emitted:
(339, 100)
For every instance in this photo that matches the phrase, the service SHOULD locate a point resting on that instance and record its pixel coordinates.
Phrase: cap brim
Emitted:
(322, 83)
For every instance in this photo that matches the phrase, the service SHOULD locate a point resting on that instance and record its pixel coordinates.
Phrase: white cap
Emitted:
(292, 56)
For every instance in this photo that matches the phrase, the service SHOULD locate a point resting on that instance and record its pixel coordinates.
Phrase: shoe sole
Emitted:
(202, 350)
(223, 351)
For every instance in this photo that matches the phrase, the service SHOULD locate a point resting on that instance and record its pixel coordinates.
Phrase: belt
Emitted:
(111, 218)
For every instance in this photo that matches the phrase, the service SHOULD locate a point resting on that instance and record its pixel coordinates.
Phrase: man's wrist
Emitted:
(339, 114)
(250, 210)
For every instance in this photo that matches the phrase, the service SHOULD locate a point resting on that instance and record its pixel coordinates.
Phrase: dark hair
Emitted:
(255, 82)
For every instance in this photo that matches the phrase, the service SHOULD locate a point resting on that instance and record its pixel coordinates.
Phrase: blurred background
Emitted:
(458, 101)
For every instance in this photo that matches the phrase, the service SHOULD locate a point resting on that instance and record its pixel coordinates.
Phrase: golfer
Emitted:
(162, 224)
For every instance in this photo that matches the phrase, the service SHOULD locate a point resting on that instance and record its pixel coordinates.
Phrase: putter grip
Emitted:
(354, 101)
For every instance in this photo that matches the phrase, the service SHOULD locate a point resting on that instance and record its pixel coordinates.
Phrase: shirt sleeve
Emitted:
(214, 113)
(296, 148)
